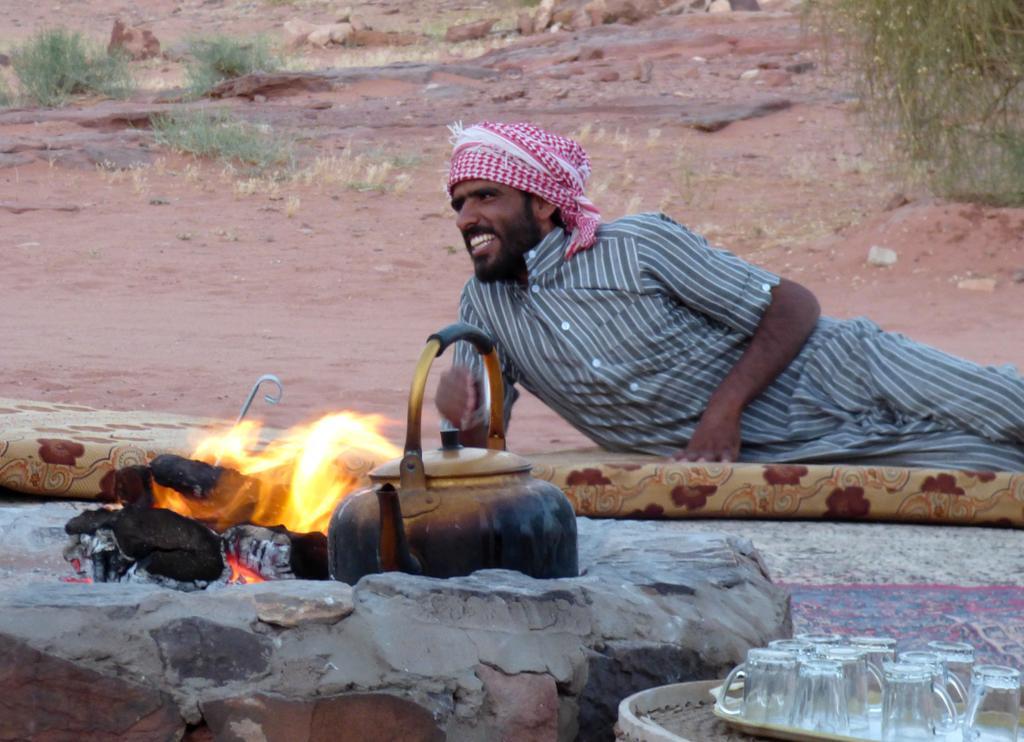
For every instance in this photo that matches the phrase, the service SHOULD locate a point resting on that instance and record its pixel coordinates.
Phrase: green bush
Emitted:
(220, 58)
(57, 64)
(946, 78)
(221, 136)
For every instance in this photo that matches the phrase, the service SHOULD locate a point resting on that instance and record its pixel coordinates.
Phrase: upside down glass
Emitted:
(820, 704)
(959, 657)
(993, 706)
(909, 710)
(940, 671)
(857, 678)
(769, 682)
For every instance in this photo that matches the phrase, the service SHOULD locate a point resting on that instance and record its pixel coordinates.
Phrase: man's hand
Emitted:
(784, 328)
(456, 397)
(716, 438)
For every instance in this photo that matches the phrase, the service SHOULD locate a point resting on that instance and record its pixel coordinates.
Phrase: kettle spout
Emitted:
(394, 549)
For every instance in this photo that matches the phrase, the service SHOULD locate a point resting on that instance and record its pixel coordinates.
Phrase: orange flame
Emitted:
(296, 481)
(240, 574)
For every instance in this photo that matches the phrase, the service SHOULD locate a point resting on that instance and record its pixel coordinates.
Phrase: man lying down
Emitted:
(647, 339)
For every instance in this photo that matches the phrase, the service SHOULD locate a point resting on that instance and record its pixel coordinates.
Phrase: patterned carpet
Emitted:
(988, 617)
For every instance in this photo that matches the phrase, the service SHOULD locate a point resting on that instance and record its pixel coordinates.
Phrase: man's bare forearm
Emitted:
(784, 328)
(787, 323)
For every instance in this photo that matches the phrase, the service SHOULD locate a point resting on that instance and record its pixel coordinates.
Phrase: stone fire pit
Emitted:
(495, 655)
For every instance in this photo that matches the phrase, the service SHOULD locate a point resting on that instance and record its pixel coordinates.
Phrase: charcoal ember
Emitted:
(266, 551)
(98, 550)
(170, 545)
(119, 543)
(133, 486)
(309, 555)
(197, 479)
(90, 521)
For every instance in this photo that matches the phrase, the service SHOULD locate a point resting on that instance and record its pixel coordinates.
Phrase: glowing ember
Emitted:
(240, 574)
(301, 476)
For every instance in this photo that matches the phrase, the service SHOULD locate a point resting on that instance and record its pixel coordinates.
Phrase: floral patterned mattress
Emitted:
(72, 451)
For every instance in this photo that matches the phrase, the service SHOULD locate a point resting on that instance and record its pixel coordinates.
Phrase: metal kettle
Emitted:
(454, 510)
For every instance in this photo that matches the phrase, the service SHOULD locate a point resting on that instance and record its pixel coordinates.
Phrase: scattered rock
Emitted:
(14, 207)
(644, 68)
(1018, 276)
(469, 31)
(158, 201)
(369, 37)
(14, 160)
(712, 120)
(799, 68)
(525, 24)
(744, 5)
(136, 43)
(606, 76)
(987, 285)
(542, 18)
(895, 201)
(882, 257)
(5, 60)
(749, 74)
(265, 83)
(509, 95)
(296, 31)
(774, 78)
(720, 6)
(331, 33)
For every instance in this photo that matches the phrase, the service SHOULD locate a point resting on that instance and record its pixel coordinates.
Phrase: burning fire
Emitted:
(240, 574)
(296, 481)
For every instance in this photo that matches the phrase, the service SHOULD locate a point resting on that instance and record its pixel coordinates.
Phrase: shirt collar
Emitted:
(549, 252)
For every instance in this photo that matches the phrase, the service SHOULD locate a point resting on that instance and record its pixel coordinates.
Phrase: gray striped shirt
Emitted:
(628, 340)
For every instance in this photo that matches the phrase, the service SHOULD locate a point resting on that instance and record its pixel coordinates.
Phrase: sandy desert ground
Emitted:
(172, 283)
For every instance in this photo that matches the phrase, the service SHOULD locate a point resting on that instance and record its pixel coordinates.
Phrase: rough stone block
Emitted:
(43, 697)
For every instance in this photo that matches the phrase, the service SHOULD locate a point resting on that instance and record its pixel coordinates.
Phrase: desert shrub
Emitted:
(56, 64)
(221, 136)
(946, 79)
(220, 58)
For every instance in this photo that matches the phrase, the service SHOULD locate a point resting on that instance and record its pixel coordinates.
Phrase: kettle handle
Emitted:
(413, 476)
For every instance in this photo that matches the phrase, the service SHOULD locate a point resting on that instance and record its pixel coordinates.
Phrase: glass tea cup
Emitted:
(769, 684)
(858, 675)
(819, 640)
(909, 711)
(820, 703)
(941, 672)
(993, 706)
(799, 647)
(879, 648)
(959, 657)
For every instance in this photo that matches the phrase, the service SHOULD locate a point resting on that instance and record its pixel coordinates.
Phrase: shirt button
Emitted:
(535, 289)
(565, 325)
(596, 363)
(633, 386)
(766, 287)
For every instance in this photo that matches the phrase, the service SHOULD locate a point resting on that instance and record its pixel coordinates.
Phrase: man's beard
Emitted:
(517, 238)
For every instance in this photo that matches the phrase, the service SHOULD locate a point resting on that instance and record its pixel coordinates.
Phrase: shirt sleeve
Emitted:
(706, 279)
(466, 355)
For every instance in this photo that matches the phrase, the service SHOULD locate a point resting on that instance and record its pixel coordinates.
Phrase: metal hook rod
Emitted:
(268, 398)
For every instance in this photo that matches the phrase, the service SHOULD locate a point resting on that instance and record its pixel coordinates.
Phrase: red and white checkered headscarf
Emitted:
(529, 159)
